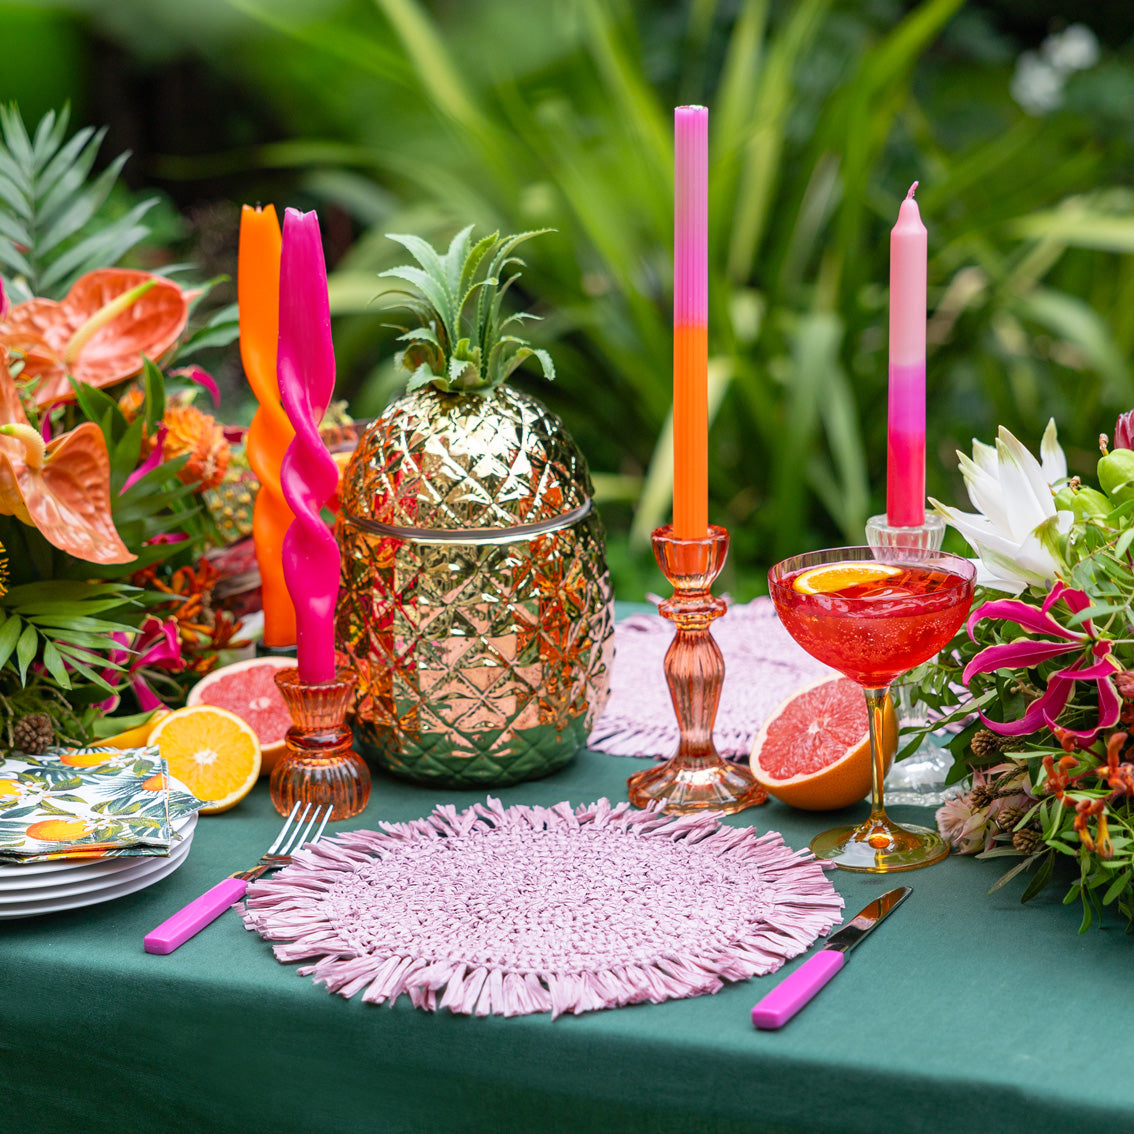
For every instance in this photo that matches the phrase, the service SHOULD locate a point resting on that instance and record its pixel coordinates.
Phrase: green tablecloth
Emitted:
(963, 1012)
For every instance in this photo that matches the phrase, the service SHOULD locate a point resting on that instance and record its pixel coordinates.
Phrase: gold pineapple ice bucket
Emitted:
(476, 605)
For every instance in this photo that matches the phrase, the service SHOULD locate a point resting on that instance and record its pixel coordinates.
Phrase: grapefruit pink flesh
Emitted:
(813, 751)
(812, 731)
(248, 689)
(252, 695)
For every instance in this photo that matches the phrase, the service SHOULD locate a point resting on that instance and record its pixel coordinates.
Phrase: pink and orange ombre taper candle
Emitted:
(305, 366)
(258, 297)
(905, 432)
(691, 322)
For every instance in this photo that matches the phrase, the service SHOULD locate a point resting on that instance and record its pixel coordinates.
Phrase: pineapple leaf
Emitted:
(469, 283)
(511, 352)
(453, 264)
(424, 376)
(420, 334)
(54, 228)
(463, 375)
(458, 297)
(433, 291)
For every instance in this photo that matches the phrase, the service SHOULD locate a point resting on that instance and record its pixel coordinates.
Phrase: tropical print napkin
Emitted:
(88, 803)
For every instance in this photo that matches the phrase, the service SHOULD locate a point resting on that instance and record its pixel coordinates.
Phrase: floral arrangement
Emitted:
(117, 489)
(1049, 671)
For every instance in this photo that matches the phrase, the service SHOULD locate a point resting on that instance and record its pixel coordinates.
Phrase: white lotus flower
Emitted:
(1016, 517)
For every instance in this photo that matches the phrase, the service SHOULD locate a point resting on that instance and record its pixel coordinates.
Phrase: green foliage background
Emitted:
(406, 116)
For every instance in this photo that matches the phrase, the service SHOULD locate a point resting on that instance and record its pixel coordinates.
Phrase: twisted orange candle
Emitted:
(258, 295)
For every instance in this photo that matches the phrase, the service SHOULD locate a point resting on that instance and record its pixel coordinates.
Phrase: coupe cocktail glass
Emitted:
(891, 609)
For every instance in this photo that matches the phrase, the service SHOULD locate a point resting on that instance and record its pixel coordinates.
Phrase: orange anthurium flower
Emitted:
(110, 319)
(61, 488)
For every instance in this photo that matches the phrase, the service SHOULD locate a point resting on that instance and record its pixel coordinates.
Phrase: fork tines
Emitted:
(319, 814)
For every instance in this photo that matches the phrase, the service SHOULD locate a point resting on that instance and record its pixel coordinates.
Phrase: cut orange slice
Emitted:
(813, 751)
(248, 689)
(839, 576)
(212, 752)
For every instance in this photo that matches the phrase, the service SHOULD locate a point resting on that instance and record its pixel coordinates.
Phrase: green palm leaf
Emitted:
(53, 226)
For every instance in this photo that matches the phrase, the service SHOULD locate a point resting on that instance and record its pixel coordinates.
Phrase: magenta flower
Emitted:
(1124, 431)
(201, 378)
(157, 455)
(1094, 663)
(157, 645)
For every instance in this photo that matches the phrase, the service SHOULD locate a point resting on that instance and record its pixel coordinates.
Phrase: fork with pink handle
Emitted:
(176, 930)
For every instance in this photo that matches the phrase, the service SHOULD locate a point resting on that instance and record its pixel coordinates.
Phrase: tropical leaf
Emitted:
(54, 227)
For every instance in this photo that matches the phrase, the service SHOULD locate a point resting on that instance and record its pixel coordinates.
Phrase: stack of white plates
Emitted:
(66, 883)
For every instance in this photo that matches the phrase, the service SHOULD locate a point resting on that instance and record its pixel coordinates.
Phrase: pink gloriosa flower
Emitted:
(157, 645)
(1124, 431)
(1095, 663)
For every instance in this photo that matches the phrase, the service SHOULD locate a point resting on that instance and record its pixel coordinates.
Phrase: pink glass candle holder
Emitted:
(696, 778)
(319, 766)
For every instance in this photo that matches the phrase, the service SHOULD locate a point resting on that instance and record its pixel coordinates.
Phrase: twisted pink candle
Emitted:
(305, 366)
(905, 436)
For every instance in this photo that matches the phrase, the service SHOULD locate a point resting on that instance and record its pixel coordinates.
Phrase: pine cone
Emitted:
(1009, 817)
(986, 744)
(1027, 841)
(34, 734)
(982, 795)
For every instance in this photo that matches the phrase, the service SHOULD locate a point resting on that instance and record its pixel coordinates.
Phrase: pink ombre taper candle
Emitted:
(305, 365)
(905, 436)
(690, 323)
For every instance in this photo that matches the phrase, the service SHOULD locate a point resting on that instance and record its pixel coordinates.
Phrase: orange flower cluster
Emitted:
(197, 434)
(190, 432)
(1115, 774)
(202, 629)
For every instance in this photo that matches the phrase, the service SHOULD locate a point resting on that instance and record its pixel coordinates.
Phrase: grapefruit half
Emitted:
(248, 689)
(813, 751)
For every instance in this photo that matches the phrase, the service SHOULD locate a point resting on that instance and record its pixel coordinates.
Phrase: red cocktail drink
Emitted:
(874, 631)
(874, 613)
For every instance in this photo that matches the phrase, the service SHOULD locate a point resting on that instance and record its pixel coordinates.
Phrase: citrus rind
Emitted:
(846, 779)
(838, 576)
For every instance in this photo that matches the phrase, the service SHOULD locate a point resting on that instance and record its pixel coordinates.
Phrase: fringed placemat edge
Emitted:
(286, 910)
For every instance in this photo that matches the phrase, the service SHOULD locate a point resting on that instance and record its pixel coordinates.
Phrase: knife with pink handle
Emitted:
(792, 993)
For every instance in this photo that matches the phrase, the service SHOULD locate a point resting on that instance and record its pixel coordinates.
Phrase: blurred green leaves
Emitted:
(424, 118)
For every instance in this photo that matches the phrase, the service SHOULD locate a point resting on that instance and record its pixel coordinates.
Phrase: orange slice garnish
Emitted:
(839, 576)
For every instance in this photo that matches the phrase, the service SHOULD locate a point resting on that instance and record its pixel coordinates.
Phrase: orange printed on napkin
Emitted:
(88, 803)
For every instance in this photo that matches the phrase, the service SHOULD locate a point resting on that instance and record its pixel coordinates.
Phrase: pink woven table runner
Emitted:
(515, 910)
(763, 665)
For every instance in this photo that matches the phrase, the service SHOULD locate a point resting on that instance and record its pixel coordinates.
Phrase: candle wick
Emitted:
(909, 195)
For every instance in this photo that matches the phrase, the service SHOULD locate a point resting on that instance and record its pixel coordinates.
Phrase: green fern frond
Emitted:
(52, 225)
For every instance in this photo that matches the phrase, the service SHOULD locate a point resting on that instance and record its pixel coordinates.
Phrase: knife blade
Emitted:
(791, 994)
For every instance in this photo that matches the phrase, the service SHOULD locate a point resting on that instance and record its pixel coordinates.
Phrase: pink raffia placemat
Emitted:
(763, 665)
(510, 911)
